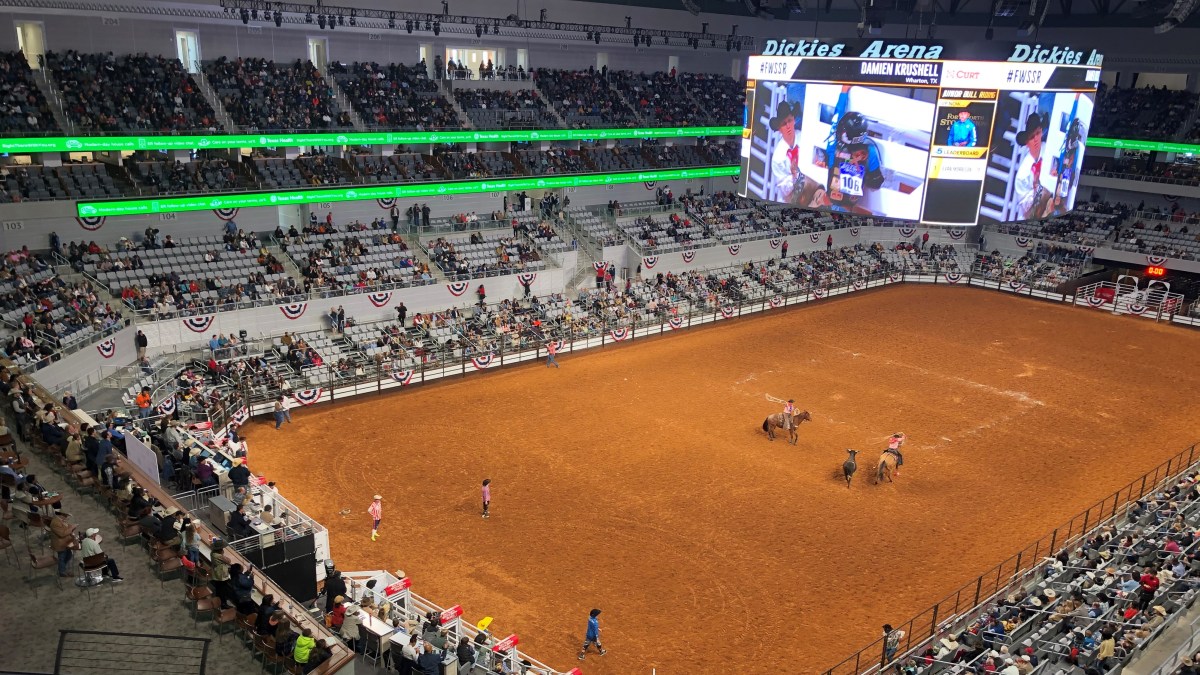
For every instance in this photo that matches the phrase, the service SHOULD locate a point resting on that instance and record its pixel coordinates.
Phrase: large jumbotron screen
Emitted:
(942, 133)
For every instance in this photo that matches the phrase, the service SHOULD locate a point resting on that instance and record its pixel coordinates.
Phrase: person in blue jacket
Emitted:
(962, 131)
(593, 635)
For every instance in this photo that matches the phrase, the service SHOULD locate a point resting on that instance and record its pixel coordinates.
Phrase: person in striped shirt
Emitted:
(376, 511)
(789, 409)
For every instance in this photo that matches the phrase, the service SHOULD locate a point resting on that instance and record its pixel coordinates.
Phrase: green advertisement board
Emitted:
(135, 207)
(1144, 146)
(216, 141)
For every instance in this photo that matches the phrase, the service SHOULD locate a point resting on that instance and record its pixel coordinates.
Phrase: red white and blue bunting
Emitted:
(907, 231)
(526, 278)
(1016, 286)
(1024, 242)
(226, 214)
(457, 288)
(483, 362)
(775, 243)
(727, 312)
(650, 261)
(956, 233)
(380, 298)
(386, 203)
(402, 376)
(1086, 250)
(600, 265)
(294, 310)
(198, 324)
(688, 256)
(854, 231)
(814, 237)
(1096, 302)
(308, 396)
(734, 249)
(1138, 310)
(818, 293)
(859, 284)
(559, 345)
(241, 415)
(953, 277)
(167, 407)
(893, 278)
(91, 223)
(1156, 259)
(675, 323)
(776, 301)
(107, 348)
(619, 334)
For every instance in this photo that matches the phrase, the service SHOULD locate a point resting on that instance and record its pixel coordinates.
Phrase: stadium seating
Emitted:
(1175, 173)
(492, 253)
(722, 98)
(659, 98)
(262, 95)
(163, 177)
(23, 107)
(1045, 267)
(493, 109)
(402, 168)
(459, 165)
(583, 98)
(361, 257)
(1149, 113)
(395, 96)
(552, 161)
(620, 158)
(72, 180)
(131, 93)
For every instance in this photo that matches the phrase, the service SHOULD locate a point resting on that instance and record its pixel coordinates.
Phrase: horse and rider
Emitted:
(787, 420)
(891, 460)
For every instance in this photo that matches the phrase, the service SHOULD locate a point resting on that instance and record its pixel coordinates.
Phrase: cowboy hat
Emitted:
(377, 498)
(1162, 611)
(1050, 594)
(338, 599)
(783, 111)
(1035, 121)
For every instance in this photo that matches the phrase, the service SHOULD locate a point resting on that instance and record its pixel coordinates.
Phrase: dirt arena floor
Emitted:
(637, 478)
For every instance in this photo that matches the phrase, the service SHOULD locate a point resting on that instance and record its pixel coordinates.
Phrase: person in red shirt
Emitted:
(1149, 586)
(551, 350)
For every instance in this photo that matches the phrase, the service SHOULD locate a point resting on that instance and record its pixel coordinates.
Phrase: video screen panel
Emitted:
(936, 140)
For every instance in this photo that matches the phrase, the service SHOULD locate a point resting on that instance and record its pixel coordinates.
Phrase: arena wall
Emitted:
(1013, 245)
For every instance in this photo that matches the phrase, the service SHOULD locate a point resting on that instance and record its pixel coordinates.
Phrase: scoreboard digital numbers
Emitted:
(941, 133)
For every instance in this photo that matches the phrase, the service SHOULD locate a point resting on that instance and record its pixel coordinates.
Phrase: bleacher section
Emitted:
(1149, 113)
(583, 99)
(491, 253)
(130, 93)
(364, 259)
(32, 182)
(23, 107)
(403, 168)
(659, 98)
(722, 98)
(163, 177)
(395, 96)
(262, 95)
(492, 109)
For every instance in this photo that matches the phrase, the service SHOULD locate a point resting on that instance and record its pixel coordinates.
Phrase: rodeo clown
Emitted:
(791, 185)
(854, 163)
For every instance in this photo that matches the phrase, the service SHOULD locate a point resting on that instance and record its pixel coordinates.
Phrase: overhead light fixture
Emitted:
(589, 35)
(308, 17)
(597, 37)
(437, 28)
(321, 21)
(254, 14)
(392, 20)
(245, 16)
(428, 25)
(341, 20)
(408, 26)
(278, 18)
(478, 31)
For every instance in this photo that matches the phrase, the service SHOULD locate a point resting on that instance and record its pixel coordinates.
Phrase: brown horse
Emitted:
(887, 467)
(778, 421)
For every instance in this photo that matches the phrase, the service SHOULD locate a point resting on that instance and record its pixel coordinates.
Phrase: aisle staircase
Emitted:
(214, 99)
(343, 101)
(54, 99)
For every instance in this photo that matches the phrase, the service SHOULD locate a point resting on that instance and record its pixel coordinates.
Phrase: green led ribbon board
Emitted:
(269, 140)
(135, 207)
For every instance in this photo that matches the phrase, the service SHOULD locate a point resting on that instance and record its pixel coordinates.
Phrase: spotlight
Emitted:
(333, 22)
(245, 17)
(341, 20)
(254, 14)
(428, 26)
(478, 30)
(597, 37)
(408, 26)
(589, 35)
(321, 21)
(278, 18)
(437, 28)
(695, 43)
(353, 17)
(391, 20)
(308, 17)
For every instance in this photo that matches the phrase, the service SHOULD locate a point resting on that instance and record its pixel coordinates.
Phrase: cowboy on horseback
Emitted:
(894, 442)
(789, 409)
